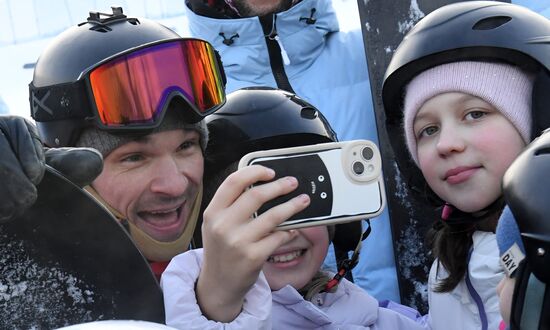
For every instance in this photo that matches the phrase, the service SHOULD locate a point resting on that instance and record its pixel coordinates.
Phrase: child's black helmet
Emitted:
(259, 118)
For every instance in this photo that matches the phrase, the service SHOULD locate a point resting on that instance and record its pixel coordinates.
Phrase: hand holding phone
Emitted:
(343, 180)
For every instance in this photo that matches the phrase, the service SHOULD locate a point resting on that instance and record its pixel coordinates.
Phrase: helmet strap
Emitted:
(152, 249)
(348, 264)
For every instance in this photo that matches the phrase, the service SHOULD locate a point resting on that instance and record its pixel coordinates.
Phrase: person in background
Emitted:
(296, 45)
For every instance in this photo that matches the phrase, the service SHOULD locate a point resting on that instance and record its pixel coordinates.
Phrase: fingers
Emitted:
(232, 207)
(17, 191)
(28, 147)
(252, 199)
(269, 220)
(232, 187)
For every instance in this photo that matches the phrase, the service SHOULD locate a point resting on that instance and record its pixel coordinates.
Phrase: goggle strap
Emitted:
(221, 68)
(57, 102)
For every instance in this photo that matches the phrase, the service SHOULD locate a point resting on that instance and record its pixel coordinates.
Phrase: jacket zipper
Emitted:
(277, 54)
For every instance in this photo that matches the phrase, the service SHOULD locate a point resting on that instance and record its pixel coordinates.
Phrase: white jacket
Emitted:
(457, 309)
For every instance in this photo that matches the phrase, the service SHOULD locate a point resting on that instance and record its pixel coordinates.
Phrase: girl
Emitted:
(226, 278)
(466, 114)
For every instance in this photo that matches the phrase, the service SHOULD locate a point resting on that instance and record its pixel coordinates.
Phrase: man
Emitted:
(296, 45)
(136, 92)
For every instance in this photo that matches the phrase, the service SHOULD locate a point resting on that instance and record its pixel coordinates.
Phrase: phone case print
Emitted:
(313, 179)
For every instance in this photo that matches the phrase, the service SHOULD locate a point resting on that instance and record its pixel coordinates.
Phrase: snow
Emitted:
(415, 14)
(35, 295)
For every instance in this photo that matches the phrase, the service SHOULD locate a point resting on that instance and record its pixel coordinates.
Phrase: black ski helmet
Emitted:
(72, 53)
(260, 118)
(468, 31)
(526, 186)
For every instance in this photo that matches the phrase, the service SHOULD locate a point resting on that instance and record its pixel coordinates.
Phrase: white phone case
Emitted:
(343, 180)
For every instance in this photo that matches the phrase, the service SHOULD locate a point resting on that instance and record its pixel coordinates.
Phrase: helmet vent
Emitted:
(101, 28)
(542, 151)
(308, 113)
(491, 22)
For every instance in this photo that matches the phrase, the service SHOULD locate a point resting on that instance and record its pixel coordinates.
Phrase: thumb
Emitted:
(79, 165)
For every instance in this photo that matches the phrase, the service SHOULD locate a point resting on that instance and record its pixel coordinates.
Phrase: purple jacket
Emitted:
(180, 301)
(350, 307)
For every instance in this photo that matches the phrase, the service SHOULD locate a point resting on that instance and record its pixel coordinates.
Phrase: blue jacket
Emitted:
(328, 69)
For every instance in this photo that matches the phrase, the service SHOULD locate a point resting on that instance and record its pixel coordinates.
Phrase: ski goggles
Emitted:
(132, 90)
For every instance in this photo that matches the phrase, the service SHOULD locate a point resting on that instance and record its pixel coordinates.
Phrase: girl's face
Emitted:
(464, 146)
(296, 262)
(505, 291)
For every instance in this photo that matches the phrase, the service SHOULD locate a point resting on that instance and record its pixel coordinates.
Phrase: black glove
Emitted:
(22, 165)
(80, 165)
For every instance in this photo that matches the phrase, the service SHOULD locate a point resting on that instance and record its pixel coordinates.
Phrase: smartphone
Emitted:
(343, 180)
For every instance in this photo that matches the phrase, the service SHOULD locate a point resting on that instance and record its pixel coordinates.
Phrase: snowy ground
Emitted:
(28, 25)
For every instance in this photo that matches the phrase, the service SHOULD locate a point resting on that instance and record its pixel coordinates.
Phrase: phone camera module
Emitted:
(367, 153)
(358, 168)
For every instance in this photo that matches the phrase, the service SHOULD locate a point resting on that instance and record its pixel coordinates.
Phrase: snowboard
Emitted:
(384, 24)
(67, 260)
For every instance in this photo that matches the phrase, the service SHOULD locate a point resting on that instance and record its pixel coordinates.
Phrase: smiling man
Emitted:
(137, 92)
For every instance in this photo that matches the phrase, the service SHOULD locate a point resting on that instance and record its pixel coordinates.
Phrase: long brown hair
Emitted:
(451, 242)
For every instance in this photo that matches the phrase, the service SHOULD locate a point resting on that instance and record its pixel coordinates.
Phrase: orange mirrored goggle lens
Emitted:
(134, 88)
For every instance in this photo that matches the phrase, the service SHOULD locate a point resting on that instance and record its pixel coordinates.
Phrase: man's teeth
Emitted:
(285, 257)
(164, 211)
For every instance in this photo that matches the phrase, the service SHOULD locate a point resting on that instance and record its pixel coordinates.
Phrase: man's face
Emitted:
(249, 8)
(153, 181)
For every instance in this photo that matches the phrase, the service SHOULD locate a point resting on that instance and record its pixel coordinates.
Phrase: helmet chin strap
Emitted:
(152, 249)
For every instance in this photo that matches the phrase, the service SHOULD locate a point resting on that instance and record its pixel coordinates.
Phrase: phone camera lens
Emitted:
(358, 168)
(367, 153)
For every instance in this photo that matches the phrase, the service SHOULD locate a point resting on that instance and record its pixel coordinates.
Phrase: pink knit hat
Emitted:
(505, 86)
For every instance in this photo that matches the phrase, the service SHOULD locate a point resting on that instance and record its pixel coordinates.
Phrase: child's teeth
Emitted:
(285, 257)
